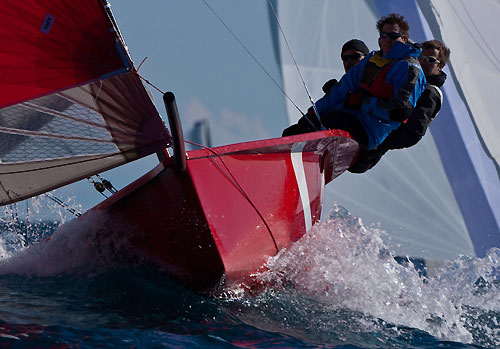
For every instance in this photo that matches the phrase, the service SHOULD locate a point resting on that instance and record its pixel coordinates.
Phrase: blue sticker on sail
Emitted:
(47, 23)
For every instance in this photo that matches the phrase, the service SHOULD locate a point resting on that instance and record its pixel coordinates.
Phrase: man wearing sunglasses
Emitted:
(433, 58)
(353, 51)
(377, 94)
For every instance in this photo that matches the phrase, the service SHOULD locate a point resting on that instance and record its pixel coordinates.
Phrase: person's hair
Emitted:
(444, 52)
(394, 18)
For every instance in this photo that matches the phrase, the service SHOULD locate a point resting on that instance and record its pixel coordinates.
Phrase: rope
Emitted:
(147, 81)
(140, 65)
(253, 57)
(298, 70)
(62, 204)
(235, 183)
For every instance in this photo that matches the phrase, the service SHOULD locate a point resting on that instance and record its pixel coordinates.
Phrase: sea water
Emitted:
(339, 286)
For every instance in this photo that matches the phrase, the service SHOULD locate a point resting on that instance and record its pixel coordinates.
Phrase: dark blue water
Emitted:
(339, 286)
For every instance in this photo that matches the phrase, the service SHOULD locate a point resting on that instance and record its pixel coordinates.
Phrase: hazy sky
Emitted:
(192, 54)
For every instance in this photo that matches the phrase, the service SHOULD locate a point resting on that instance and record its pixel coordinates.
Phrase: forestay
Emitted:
(72, 104)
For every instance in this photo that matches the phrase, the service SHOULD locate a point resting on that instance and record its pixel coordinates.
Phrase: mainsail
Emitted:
(440, 198)
(72, 104)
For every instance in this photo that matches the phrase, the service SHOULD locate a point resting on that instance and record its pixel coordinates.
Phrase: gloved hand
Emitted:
(307, 123)
(309, 118)
(400, 114)
(366, 159)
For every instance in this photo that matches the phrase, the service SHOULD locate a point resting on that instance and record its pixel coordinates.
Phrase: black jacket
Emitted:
(410, 132)
(428, 105)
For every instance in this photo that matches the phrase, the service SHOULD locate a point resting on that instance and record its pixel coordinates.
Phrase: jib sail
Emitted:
(71, 103)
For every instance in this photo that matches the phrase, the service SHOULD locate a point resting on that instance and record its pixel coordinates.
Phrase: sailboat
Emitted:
(73, 105)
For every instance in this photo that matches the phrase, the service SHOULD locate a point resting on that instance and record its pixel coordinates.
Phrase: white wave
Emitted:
(90, 243)
(341, 264)
(3, 250)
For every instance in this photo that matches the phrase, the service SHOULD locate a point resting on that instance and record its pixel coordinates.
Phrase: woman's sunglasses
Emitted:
(429, 59)
(353, 57)
(391, 35)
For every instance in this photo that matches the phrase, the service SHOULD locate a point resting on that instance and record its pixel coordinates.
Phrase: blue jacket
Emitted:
(406, 78)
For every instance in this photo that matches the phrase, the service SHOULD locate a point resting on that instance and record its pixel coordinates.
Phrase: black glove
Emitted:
(307, 123)
(366, 160)
(400, 114)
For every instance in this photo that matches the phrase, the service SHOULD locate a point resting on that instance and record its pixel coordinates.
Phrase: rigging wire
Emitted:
(235, 183)
(148, 82)
(491, 56)
(483, 39)
(140, 65)
(62, 204)
(253, 57)
(297, 67)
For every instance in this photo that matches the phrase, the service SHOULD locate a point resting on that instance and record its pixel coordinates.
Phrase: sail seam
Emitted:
(104, 156)
(52, 112)
(52, 135)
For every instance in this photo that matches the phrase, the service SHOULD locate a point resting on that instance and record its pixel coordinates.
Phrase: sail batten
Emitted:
(27, 179)
(61, 115)
(51, 135)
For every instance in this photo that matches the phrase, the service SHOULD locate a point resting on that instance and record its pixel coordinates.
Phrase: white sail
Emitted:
(469, 28)
(439, 198)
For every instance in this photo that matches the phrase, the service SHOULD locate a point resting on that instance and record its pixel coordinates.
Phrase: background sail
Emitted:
(435, 200)
(199, 133)
(71, 104)
(466, 26)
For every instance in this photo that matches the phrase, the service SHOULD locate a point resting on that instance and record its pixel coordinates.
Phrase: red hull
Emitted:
(228, 213)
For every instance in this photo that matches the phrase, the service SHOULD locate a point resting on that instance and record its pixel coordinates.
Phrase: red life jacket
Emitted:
(373, 81)
(378, 87)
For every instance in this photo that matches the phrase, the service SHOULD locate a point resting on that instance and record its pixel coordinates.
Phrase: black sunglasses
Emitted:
(391, 35)
(429, 59)
(353, 56)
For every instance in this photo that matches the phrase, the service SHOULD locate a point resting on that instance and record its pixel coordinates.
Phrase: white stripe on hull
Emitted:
(300, 176)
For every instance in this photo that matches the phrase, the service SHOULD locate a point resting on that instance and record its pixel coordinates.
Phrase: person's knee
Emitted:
(366, 160)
